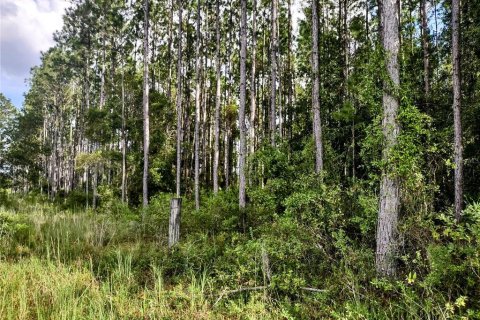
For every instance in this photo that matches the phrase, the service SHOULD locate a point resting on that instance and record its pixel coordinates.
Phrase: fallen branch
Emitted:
(226, 293)
(313, 289)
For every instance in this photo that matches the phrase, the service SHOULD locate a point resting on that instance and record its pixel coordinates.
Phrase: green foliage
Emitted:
(454, 259)
(304, 248)
(316, 242)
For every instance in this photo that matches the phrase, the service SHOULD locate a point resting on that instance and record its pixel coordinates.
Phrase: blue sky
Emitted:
(26, 29)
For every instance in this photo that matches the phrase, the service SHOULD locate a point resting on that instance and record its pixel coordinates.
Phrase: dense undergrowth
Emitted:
(314, 260)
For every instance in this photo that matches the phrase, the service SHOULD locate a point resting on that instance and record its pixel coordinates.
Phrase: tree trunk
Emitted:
(389, 189)
(226, 149)
(253, 99)
(198, 66)
(94, 186)
(317, 122)
(216, 155)
(457, 120)
(289, 108)
(102, 79)
(169, 54)
(124, 143)
(179, 99)
(273, 70)
(174, 223)
(146, 118)
(426, 67)
(241, 113)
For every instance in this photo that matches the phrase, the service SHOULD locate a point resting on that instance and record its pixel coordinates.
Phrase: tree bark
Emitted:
(198, 66)
(253, 101)
(146, 118)
(389, 188)
(169, 54)
(317, 122)
(457, 116)
(179, 99)
(124, 143)
(174, 222)
(216, 155)
(274, 48)
(425, 45)
(290, 89)
(241, 113)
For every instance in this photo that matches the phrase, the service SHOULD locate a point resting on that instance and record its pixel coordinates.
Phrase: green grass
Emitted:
(72, 264)
(58, 264)
(35, 289)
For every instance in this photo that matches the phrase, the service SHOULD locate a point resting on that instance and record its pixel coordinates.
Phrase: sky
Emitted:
(26, 29)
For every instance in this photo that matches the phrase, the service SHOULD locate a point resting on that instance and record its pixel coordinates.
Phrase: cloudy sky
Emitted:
(26, 29)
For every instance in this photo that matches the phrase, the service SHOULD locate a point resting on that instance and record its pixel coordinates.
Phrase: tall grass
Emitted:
(67, 264)
(58, 264)
(36, 289)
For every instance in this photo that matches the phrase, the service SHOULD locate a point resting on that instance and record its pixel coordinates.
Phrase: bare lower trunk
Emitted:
(317, 123)
(146, 118)
(226, 147)
(174, 223)
(457, 117)
(241, 113)
(94, 187)
(389, 189)
(124, 144)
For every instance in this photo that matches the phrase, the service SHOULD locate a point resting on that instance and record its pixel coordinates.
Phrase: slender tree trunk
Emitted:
(226, 147)
(124, 143)
(380, 18)
(367, 22)
(216, 155)
(389, 188)
(317, 122)
(170, 41)
(274, 46)
(102, 79)
(179, 98)
(198, 66)
(426, 62)
(289, 108)
(241, 113)
(253, 101)
(174, 222)
(457, 116)
(146, 118)
(94, 186)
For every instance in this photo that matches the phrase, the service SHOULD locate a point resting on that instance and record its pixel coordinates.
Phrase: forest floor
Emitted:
(63, 264)
(58, 263)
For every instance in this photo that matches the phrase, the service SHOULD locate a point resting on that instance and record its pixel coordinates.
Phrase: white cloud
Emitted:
(26, 28)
